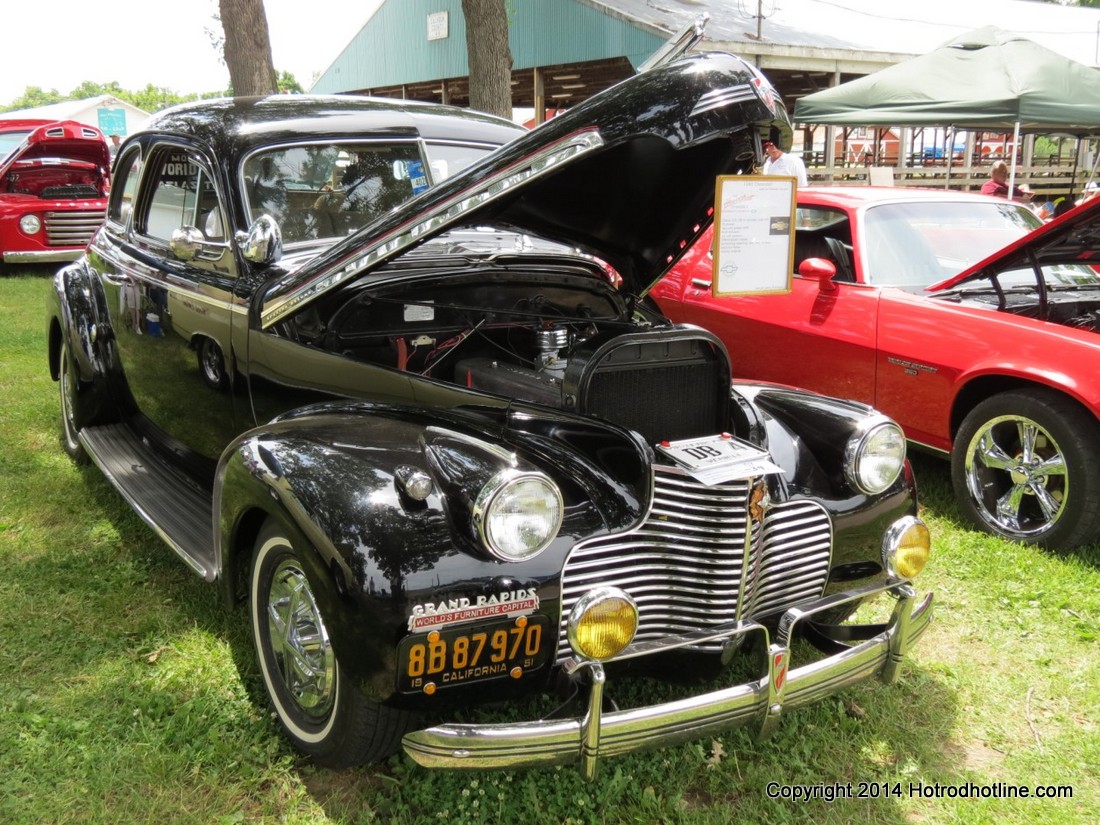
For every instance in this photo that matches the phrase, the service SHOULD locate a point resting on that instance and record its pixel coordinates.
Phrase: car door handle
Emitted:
(700, 283)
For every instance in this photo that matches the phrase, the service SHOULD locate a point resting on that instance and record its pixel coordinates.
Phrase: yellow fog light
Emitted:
(602, 623)
(905, 547)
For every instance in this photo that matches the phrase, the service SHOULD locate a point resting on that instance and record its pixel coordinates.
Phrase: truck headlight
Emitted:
(905, 547)
(874, 456)
(517, 514)
(30, 224)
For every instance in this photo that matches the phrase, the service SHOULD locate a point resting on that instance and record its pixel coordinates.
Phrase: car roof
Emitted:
(233, 126)
(854, 197)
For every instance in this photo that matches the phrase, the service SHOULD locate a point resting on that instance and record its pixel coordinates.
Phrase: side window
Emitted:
(182, 193)
(126, 177)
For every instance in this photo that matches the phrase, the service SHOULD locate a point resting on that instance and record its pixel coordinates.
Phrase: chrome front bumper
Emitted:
(45, 256)
(596, 734)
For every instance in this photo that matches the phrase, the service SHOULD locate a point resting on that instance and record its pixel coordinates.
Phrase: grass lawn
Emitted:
(121, 700)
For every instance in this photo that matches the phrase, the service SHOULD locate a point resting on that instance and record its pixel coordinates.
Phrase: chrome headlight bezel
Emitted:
(500, 493)
(874, 456)
(30, 224)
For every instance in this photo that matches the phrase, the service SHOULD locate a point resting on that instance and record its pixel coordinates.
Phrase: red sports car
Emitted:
(963, 317)
(53, 189)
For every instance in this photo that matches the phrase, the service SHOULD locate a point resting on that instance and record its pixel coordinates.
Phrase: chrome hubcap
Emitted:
(211, 362)
(1017, 476)
(65, 384)
(300, 642)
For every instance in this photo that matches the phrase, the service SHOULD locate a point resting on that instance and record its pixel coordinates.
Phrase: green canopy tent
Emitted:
(987, 80)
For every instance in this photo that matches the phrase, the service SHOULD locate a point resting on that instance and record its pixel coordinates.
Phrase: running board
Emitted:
(179, 511)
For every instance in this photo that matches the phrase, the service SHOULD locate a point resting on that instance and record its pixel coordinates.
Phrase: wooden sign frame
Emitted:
(753, 251)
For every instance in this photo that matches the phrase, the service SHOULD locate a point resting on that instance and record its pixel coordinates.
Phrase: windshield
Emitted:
(330, 190)
(448, 159)
(9, 140)
(918, 244)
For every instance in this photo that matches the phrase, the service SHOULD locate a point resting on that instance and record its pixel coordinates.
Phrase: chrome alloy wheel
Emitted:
(1017, 476)
(299, 641)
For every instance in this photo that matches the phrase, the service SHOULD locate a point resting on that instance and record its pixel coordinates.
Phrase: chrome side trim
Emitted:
(562, 741)
(724, 97)
(444, 214)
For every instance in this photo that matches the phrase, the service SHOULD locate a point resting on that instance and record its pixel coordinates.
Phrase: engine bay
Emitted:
(1071, 307)
(567, 340)
(429, 326)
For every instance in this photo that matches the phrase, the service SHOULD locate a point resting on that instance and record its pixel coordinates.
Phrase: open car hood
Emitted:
(627, 176)
(58, 141)
(1071, 238)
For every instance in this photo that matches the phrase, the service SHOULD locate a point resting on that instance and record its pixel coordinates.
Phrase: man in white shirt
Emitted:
(781, 163)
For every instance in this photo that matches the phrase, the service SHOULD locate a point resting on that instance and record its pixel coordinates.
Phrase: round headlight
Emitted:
(30, 224)
(875, 456)
(602, 623)
(905, 547)
(518, 514)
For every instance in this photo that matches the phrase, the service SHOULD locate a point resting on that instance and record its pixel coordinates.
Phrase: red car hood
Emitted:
(61, 139)
(1073, 237)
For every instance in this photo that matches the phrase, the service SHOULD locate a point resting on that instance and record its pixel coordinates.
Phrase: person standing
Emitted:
(779, 162)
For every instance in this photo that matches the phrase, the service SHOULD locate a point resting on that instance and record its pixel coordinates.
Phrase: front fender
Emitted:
(330, 475)
(807, 434)
(76, 314)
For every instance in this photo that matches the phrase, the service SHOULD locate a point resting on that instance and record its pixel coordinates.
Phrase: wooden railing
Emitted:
(1047, 182)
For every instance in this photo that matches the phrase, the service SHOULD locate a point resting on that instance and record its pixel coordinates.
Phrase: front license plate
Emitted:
(461, 655)
(718, 458)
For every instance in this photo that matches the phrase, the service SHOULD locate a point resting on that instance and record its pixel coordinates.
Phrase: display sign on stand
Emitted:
(753, 234)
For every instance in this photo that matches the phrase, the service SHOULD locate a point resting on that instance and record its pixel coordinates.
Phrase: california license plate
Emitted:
(459, 655)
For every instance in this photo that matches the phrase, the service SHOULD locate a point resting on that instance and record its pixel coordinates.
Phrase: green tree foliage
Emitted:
(288, 84)
(150, 99)
(35, 96)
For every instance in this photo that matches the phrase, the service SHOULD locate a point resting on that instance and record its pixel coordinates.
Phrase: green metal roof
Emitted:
(393, 47)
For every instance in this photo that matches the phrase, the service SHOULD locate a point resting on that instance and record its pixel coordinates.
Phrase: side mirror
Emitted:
(185, 243)
(820, 269)
(263, 242)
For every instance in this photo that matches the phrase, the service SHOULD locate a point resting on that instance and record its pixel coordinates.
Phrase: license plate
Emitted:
(717, 458)
(460, 655)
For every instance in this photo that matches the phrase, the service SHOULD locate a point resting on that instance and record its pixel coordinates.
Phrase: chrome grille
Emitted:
(72, 228)
(686, 563)
(791, 563)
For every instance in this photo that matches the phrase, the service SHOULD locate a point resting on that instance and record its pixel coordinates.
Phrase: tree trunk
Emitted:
(489, 56)
(247, 48)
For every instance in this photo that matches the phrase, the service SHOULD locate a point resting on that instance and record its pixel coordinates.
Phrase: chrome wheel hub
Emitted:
(1017, 476)
(300, 642)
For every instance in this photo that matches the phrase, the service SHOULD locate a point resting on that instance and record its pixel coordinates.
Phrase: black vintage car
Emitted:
(443, 447)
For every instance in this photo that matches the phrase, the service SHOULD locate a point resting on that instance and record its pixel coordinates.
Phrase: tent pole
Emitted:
(1012, 174)
(949, 151)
